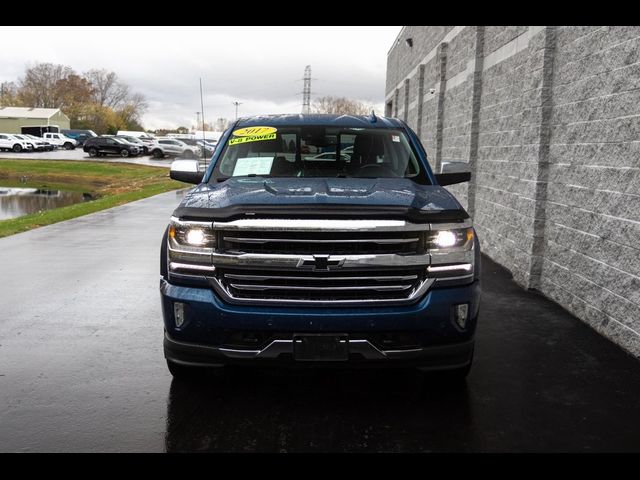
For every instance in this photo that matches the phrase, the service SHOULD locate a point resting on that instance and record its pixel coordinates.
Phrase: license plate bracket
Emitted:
(321, 347)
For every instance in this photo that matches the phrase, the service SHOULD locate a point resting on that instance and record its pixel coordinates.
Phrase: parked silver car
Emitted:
(172, 147)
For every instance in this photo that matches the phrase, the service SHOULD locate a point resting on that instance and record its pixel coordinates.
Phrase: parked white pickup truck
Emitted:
(60, 140)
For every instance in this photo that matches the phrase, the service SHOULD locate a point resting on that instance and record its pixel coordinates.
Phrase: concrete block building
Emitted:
(548, 119)
(12, 119)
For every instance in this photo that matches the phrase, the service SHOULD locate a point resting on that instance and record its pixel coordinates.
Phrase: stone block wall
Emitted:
(548, 118)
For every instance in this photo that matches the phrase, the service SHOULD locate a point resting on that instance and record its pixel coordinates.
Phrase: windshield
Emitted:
(318, 151)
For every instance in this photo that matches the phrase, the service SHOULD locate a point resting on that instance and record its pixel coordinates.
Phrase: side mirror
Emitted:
(186, 171)
(453, 172)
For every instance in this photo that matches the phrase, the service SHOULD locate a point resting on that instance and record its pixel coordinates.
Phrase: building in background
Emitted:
(12, 119)
(548, 120)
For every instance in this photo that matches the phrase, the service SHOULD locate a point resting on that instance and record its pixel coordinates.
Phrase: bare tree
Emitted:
(340, 106)
(9, 95)
(109, 91)
(38, 86)
(131, 111)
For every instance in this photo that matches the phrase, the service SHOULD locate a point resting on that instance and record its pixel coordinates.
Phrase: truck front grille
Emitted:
(358, 287)
(334, 243)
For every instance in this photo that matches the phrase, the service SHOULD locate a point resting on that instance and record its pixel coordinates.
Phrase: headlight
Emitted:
(452, 255)
(455, 240)
(191, 234)
(190, 243)
(191, 246)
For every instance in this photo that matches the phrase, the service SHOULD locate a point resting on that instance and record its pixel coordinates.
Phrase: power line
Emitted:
(306, 91)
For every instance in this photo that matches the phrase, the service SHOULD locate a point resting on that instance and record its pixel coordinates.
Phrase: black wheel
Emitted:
(157, 153)
(145, 150)
(188, 154)
(124, 152)
(68, 146)
(17, 148)
(93, 152)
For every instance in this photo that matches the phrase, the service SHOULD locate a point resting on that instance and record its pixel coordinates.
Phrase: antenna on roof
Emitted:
(373, 118)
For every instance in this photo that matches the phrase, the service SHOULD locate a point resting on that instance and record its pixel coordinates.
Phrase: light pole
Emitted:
(236, 104)
(198, 120)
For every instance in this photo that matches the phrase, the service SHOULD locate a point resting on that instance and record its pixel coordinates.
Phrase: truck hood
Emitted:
(256, 194)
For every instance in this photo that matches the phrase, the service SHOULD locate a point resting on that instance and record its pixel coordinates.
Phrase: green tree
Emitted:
(95, 100)
(74, 95)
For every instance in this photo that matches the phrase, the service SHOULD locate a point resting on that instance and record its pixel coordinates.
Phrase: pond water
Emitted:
(15, 202)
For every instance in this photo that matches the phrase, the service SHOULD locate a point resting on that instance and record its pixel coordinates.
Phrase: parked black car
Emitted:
(136, 141)
(101, 146)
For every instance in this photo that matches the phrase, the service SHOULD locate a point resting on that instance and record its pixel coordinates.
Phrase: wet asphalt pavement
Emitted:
(82, 369)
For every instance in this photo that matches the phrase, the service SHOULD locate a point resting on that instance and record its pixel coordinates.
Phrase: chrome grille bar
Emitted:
(385, 278)
(377, 288)
(380, 241)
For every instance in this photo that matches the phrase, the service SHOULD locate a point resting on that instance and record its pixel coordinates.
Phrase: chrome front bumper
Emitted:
(438, 357)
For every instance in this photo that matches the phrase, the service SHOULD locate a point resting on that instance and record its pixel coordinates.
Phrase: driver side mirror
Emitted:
(186, 171)
(452, 173)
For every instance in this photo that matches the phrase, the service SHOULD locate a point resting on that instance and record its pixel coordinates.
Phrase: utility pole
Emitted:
(306, 91)
(198, 120)
(236, 104)
(204, 153)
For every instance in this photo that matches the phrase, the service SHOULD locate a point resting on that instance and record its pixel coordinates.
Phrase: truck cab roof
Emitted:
(290, 120)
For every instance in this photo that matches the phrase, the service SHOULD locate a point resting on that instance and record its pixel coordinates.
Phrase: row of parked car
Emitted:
(29, 143)
(128, 146)
(102, 145)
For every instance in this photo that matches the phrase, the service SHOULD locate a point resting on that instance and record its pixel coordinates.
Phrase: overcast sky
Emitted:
(261, 67)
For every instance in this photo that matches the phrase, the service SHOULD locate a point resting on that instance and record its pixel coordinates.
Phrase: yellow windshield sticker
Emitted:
(253, 131)
(254, 138)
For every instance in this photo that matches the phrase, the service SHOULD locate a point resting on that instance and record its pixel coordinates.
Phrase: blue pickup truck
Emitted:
(319, 240)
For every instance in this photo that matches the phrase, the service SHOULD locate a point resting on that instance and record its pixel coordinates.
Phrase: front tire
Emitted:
(124, 152)
(93, 152)
(68, 146)
(17, 148)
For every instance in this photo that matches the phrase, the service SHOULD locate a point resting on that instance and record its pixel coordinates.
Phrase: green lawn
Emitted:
(111, 184)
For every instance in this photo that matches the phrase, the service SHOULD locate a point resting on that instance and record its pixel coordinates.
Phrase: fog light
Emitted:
(460, 313)
(178, 313)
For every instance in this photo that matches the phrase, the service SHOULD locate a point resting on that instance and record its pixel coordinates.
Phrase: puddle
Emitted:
(15, 202)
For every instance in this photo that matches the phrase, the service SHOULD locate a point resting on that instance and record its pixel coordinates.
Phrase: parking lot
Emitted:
(83, 370)
(80, 155)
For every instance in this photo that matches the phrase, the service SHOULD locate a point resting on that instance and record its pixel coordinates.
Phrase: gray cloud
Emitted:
(261, 67)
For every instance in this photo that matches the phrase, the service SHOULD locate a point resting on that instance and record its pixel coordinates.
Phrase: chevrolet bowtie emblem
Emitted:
(321, 262)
